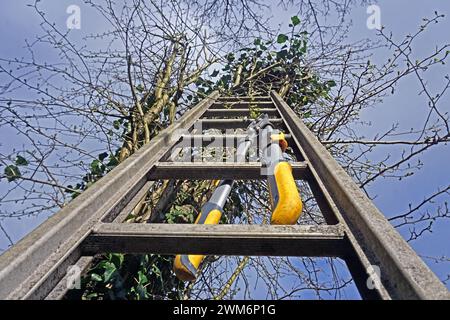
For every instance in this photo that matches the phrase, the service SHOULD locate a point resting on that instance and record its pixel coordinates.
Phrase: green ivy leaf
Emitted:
(113, 161)
(282, 54)
(116, 124)
(90, 296)
(117, 259)
(282, 38)
(215, 73)
(21, 161)
(95, 165)
(140, 88)
(142, 278)
(96, 277)
(102, 156)
(156, 270)
(110, 269)
(12, 172)
(141, 291)
(307, 114)
(295, 20)
(331, 83)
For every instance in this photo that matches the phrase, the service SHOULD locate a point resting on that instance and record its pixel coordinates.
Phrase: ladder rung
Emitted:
(254, 240)
(239, 112)
(245, 98)
(242, 105)
(229, 123)
(223, 139)
(217, 170)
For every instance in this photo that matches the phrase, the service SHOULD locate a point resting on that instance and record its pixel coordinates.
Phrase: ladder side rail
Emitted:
(35, 264)
(357, 263)
(403, 273)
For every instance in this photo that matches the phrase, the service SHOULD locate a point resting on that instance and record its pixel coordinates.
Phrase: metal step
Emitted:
(217, 170)
(254, 240)
(223, 139)
(244, 98)
(229, 123)
(240, 112)
(242, 105)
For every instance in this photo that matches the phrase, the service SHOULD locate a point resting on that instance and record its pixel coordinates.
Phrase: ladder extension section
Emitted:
(41, 264)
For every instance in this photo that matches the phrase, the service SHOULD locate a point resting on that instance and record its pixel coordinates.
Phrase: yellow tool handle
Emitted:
(186, 266)
(285, 198)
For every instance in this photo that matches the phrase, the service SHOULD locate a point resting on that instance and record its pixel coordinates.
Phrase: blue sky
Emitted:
(408, 108)
(399, 16)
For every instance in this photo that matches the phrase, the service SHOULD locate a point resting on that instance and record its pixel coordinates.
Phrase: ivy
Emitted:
(295, 20)
(282, 38)
(21, 161)
(12, 172)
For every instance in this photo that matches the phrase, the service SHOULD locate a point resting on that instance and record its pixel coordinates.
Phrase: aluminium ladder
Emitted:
(37, 266)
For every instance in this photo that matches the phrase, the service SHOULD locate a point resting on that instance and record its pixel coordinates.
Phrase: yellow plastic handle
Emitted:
(186, 266)
(289, 206)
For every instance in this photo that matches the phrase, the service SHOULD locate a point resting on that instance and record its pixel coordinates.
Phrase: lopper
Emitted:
(284, 196)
